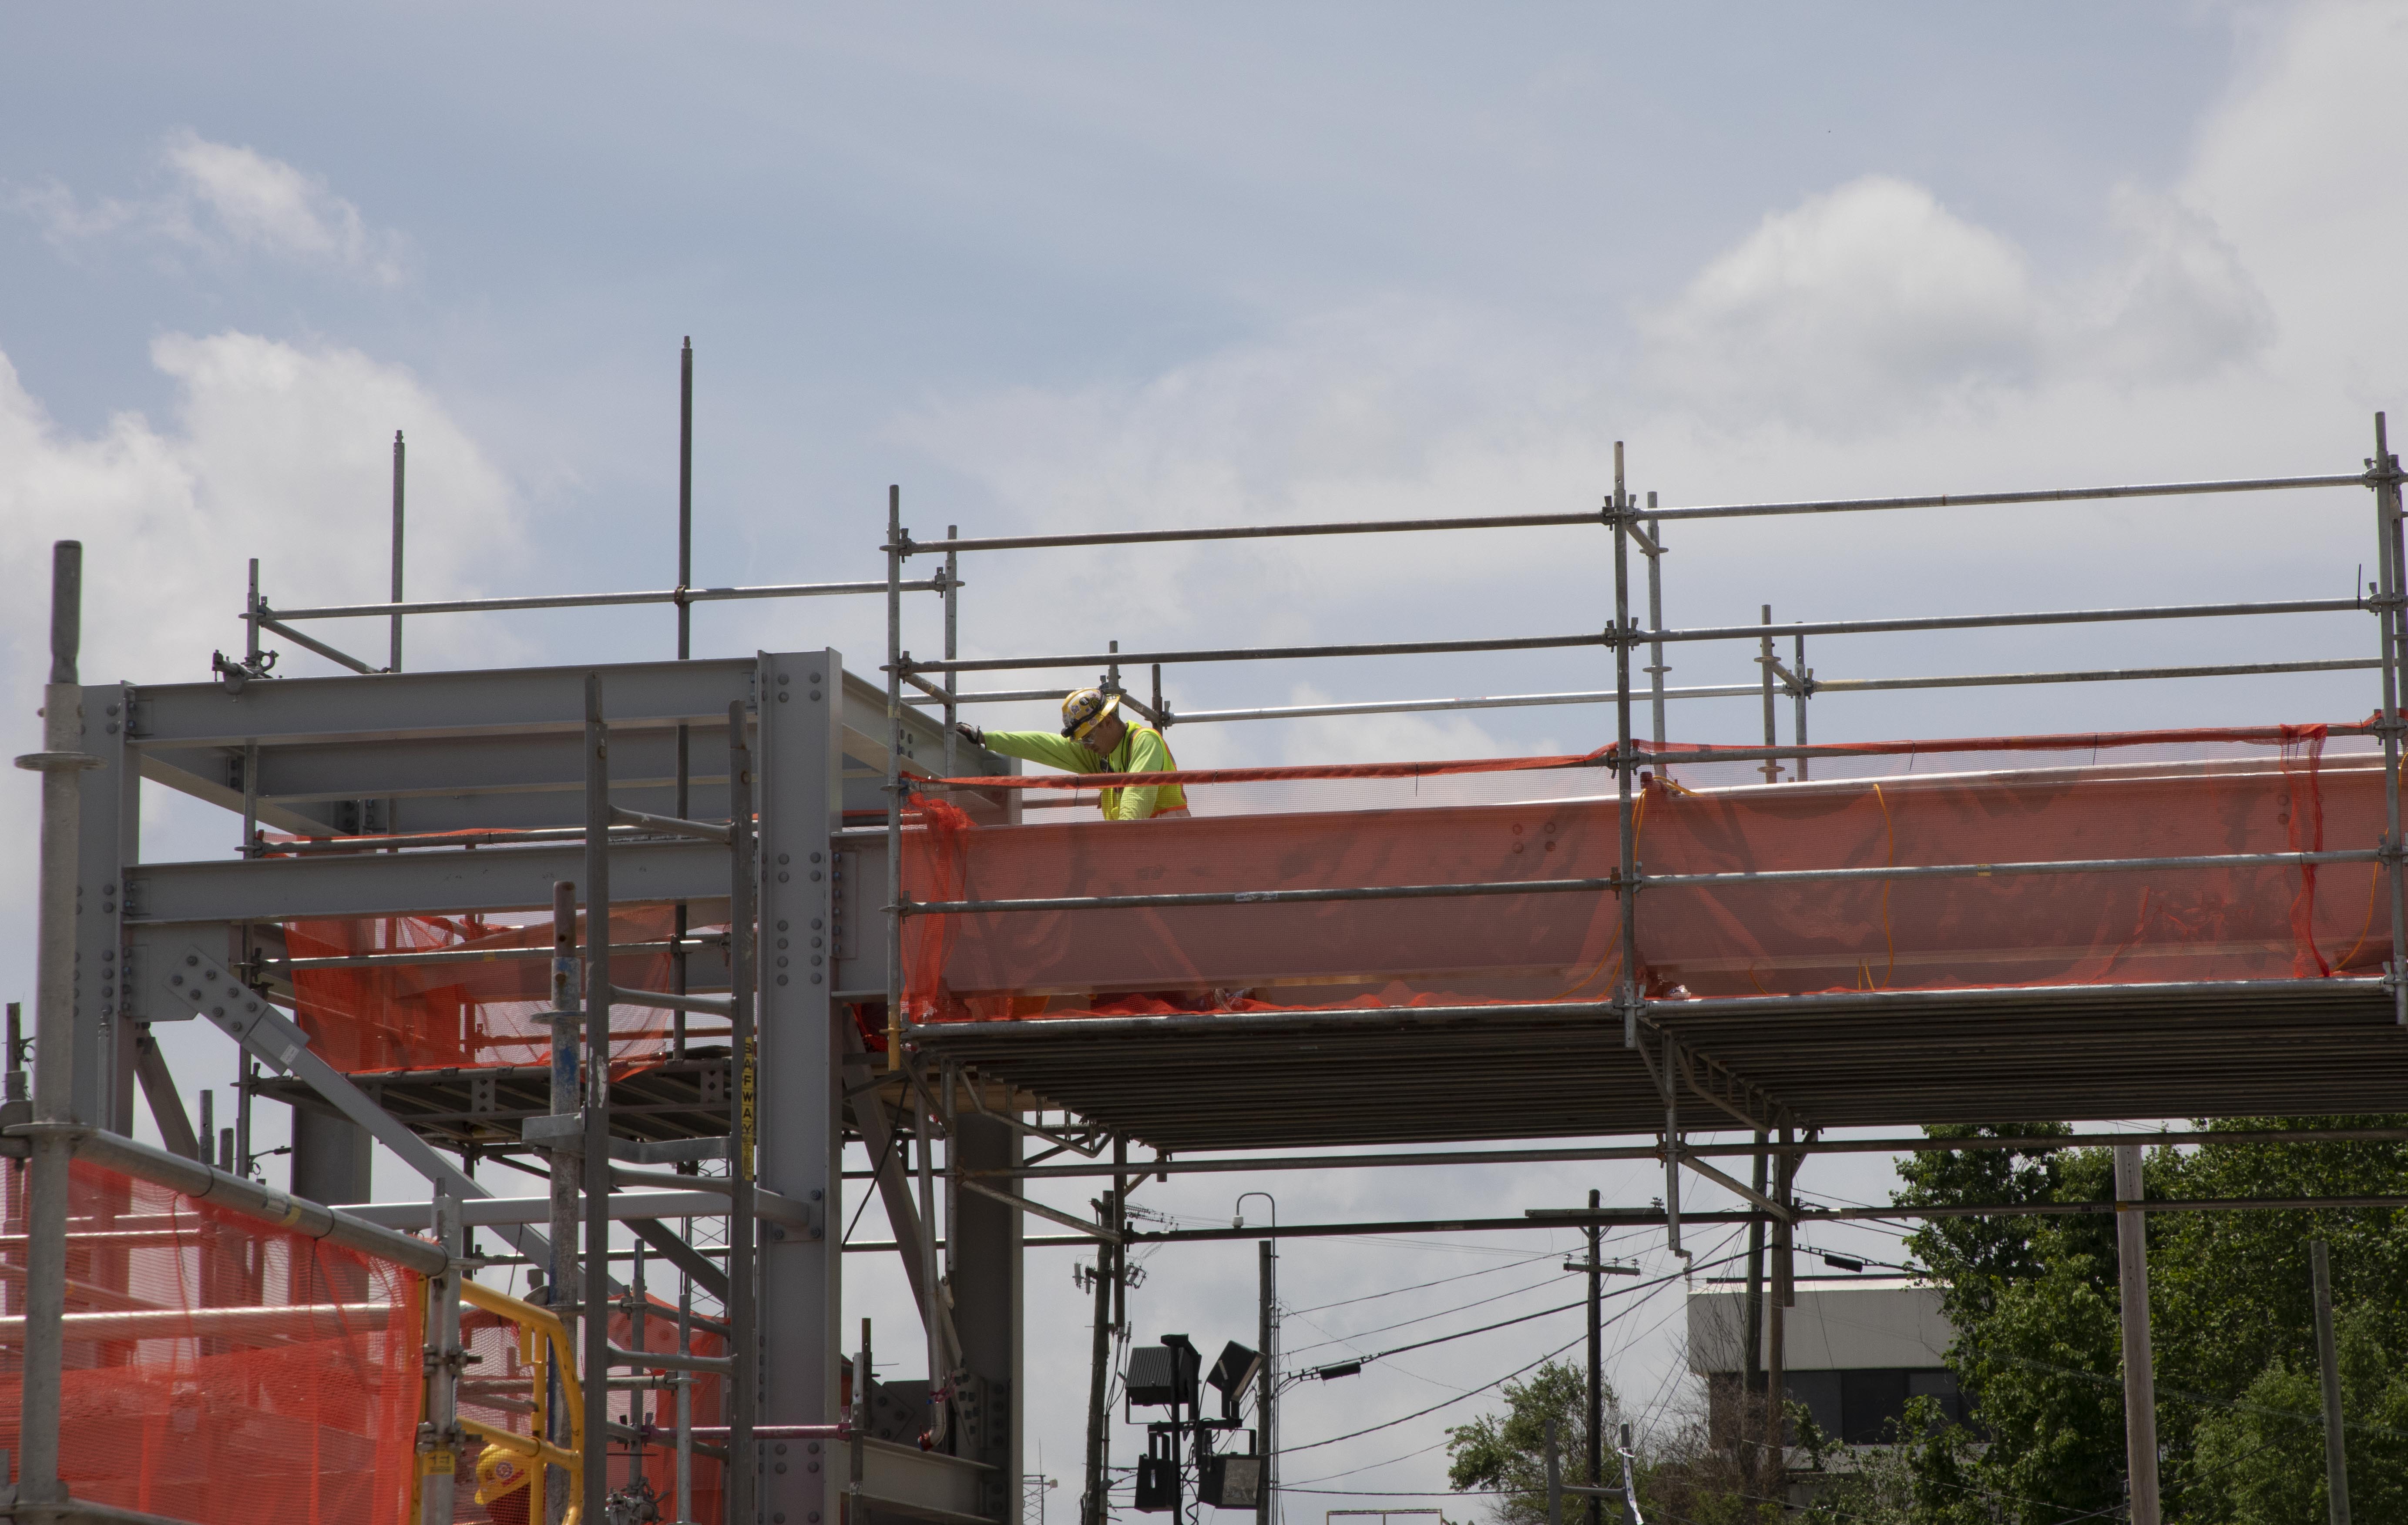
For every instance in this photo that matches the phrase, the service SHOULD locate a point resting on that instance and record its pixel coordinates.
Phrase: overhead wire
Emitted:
(1485, 1270)
(1485, 1387)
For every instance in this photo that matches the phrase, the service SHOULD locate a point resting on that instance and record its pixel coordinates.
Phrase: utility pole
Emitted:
(1092, 1509)
(2140, 1381)
(1596, 1362)
(2328, 1363)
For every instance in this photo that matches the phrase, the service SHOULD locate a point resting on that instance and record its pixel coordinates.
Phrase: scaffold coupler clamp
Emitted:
(438, 1451)
(2395, 984)
(238, 674)
(456, 1361)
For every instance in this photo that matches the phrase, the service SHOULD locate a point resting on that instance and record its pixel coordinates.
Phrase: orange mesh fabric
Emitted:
(219, 1369)
(468, 1015)
(1993, 801)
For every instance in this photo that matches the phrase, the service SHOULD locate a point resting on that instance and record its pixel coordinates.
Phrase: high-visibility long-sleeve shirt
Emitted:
(1141, 749)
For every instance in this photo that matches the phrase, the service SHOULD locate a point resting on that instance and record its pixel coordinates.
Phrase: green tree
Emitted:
(2035, 1303)
(1507, 1453)
(1922, 1476)
(2261, 1461)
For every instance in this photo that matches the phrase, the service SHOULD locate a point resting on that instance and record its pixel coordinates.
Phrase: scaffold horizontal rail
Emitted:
(1732, 510)
(1640, 637)
(268, 615)
(1608, 886)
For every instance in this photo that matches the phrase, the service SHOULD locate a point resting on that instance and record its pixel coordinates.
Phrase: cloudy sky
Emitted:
(1060, 267)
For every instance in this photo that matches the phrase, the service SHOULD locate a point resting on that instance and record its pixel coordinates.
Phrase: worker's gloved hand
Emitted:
(971, 734)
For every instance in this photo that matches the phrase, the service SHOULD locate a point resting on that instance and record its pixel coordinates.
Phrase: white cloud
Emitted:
(226, 201)
(1873, 293)
(1874, 303)
(277, 450)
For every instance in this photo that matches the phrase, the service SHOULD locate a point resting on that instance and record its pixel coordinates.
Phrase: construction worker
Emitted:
(502, 1478)
(1095, 740)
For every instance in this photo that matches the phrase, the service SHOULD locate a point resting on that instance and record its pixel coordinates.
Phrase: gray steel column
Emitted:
(932, 1287)
(333, 1158)
(107, 839)
(2140, 1381)
(984, 1237)
(54, 1034)
(800, 1071)
(2329, 1367)
(743, 1306)
(597, 1098)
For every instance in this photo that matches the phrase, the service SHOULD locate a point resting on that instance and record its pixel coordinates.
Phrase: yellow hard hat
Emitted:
(500, 1472)
(1085, 709)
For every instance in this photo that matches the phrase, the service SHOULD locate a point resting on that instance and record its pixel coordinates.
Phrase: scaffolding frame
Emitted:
(950, 1088)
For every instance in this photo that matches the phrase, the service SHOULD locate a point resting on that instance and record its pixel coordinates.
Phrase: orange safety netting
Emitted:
(219, 1369)
(496, 1391)
(456, 1015)
(1975, 802)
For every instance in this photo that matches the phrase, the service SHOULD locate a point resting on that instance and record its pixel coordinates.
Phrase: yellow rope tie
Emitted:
(2374, 888)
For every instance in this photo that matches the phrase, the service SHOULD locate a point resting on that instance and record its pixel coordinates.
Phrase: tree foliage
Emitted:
(1507, 1453)
(2035, 1303)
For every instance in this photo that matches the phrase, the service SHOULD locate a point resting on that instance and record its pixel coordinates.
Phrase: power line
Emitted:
(1466, 1276)
(1508, 1376)
(1423, 1318)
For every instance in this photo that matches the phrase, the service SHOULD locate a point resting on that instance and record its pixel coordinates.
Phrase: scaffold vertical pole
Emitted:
(392, 656)
(1764, 665)
(2391, 584)
(1804, 691)
(1625, 766)
(743, 1311)
(47, 1176)
(566, 1153)
(441, 1433)
(1671, 1054)
(1656, 668)
(684, 810)
(895, 777)
(952, 633)
(598, 1097)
